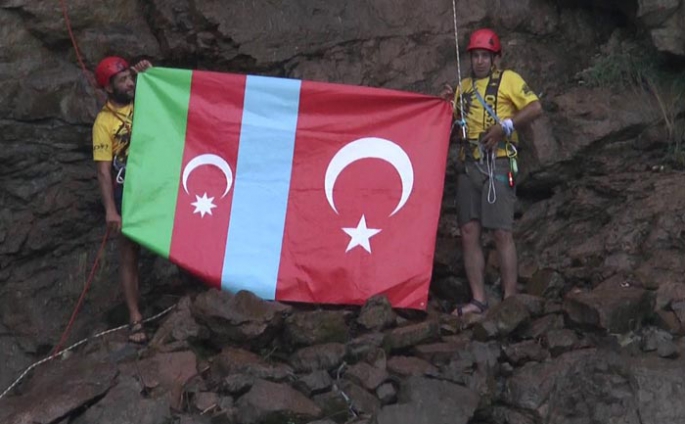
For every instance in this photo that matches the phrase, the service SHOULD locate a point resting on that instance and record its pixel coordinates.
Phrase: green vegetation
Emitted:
(659, 88)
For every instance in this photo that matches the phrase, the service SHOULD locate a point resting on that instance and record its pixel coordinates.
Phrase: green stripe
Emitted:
(155, 157)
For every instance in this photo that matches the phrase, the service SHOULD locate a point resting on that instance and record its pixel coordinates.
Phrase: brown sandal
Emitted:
(137, 333)
(482, 307)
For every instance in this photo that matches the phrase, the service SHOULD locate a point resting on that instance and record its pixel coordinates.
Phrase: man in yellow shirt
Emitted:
(111, 137)
(493, 104)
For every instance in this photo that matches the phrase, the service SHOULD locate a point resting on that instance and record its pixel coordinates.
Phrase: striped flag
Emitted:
(294, 190)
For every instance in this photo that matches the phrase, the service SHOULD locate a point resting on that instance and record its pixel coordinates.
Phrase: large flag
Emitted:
(294, 190)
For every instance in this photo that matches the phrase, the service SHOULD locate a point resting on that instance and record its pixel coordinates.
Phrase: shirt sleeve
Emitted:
(102, 142)
(520, 94)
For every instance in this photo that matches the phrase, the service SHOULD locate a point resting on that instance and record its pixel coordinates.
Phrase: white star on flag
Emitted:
(203, 205)
(360, 236)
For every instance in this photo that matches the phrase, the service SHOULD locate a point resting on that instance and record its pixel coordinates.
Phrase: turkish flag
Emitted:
(295, 190)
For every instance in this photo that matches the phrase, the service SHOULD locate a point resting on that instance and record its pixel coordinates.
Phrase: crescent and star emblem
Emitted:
(363, 148)
(204, 205)
(369, 148)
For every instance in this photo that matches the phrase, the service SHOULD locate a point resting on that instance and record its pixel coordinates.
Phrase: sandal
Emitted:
(137, 333)
(482, 308)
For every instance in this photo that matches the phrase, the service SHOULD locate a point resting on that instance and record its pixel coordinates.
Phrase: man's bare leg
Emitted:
(128, 270)
(474, 264)
(506, 251)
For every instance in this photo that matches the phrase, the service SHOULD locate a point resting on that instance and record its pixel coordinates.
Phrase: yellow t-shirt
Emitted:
(112, 134)
(512, 96)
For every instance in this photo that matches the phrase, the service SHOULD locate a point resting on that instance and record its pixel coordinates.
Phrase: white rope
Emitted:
(75, 345)
(461, 91)
(490, 172)
(490, 163)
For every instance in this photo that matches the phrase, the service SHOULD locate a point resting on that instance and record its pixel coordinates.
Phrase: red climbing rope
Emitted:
(67, 330)
(79, 57)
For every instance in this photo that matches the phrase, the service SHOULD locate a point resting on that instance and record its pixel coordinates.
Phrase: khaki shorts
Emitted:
(472, 196)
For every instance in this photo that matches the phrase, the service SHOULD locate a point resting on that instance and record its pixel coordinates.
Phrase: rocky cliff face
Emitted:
(601, 213)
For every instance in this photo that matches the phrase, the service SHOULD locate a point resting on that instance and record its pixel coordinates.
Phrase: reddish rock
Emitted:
(124, 404)
(321, 357)
(366, 375)
(165, 373)
(179, 326)
(273, 402)
(411, 335)
(669, 293)
(668, 321)
(406, 366)
(616, 306)
(205, 401)
(546, 283)
(317, 327)
(58, 389)
(361, 400)
(239, 361)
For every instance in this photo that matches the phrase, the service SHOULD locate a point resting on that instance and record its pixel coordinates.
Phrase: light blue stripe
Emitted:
(262, 183)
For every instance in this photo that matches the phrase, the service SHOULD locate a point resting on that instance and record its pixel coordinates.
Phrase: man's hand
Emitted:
(141, 66)
(447, 92)
(113, 221)
(494, 135)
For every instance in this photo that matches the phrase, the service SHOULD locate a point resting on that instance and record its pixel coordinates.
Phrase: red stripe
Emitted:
(314, 264)
(214, 119)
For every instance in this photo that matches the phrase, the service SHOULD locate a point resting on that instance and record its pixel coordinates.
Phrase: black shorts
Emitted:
(477, 200)
(118, 195)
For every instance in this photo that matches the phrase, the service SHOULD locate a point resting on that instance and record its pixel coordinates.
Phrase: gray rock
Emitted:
(561, 341)
(272, 402)
(659, 389)
(386, 393)
(314, 383)
(321, 357)
(360, 399)
(239, 319)
(502, 320)
(527, 351)
(614, 306)
(124, 405)
(366, 375)
(424, 401)
(376, 314)
(58, 389)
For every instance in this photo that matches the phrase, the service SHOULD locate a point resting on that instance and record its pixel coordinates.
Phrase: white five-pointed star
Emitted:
(203, 205)
(360, 236)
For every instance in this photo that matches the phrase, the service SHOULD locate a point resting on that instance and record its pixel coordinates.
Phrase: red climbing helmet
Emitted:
(107, 68)
(485, 39)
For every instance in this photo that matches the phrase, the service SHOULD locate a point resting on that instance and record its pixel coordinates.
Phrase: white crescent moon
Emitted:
(371, 147)
(208, 159)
